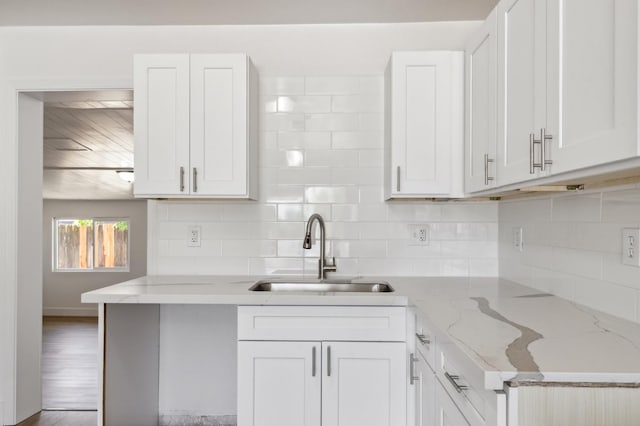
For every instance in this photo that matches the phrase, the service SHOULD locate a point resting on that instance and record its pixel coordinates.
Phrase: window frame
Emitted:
(94, 219)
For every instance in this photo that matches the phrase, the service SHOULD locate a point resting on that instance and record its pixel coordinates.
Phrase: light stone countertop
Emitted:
(507, 331)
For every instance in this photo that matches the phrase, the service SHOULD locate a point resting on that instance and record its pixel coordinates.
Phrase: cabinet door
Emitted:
(161, 122)
(446, 412)
(480, 91)
(521, 86)
(591, 56)
(363, 384)
(425, 394)
(219, 127)
(279, 383)
(426, 129)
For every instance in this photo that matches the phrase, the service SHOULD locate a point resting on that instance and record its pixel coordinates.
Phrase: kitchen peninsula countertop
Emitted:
(510, 332)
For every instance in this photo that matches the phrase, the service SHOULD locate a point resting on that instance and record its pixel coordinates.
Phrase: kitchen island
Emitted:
(500, 333)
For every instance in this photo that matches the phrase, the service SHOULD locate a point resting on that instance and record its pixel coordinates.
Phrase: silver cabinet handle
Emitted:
(181, 179)
(313, 362)
(412, 377)
(544, 137)
(195, 180)
(328, 361)
(532, 164)
(398, 179)
(487, 160)
(453, 380)
(424, 340)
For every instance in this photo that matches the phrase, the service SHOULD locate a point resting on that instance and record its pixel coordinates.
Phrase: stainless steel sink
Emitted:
(328, 286)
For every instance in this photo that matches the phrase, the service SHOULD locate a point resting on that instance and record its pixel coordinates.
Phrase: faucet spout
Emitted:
(323, 267)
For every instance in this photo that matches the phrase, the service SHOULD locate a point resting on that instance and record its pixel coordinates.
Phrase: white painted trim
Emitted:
(70, 312)
(9, 180)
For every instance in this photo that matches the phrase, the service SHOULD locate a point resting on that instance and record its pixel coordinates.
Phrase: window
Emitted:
(91, 245)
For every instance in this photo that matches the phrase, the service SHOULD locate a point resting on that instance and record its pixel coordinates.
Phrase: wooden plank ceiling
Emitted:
(85, 141)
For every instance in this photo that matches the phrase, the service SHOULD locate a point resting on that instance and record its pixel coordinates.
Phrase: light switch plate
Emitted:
(518, 243)
(630, 241)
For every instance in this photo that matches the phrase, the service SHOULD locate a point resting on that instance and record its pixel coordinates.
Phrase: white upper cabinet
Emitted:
(592, 76)
(195, 126)
(424, 124)
(566, 85)
(480, 107)
(521, 87)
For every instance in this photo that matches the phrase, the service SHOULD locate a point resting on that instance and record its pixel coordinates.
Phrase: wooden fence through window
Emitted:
(76, 246)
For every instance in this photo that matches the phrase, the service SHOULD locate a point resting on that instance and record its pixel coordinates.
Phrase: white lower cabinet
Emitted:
(295, 382)
(445, 410)
(424, 394)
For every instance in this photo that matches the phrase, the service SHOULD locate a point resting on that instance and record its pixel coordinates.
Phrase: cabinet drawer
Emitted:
(322, 323)
(458, 383)
(425, 341)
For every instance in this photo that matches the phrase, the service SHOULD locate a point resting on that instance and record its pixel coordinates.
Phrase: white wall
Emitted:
(573, 247)
(62, 290)
(101, 57)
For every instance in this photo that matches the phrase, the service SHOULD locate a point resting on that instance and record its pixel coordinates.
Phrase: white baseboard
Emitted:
(70, 312)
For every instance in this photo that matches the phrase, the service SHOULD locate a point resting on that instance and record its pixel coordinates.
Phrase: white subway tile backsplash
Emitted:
(415, 212)
(283, 122)
(331, 194)
(332, 85)
(573, 247)
(576, 208)
(358, 103)
(304, 140)
(290, 213)
(275, 266)
(469, 212)
(305, 104)
(357, 140)
(331, 122)
(321, 151)
(282, 193)
(282, 85)
(249, 248)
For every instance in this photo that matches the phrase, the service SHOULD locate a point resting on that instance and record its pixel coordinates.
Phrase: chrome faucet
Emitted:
(323, 267)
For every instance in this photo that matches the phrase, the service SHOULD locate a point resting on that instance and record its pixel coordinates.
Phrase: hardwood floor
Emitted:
(62, 418)
(69, 373)
(70, 363)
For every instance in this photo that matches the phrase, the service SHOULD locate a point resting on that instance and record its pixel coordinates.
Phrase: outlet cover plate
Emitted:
(193, 236)
(418, 234)
(518, 243)
(630, 248)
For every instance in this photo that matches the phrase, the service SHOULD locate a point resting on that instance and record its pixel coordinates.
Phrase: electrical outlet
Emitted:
(418, 234)
(193, 236)
(518, 242)
(630, 241)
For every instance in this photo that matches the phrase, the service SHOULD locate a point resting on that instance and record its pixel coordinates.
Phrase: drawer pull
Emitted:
(453, 380)
(313, 362)
(328, 361)
(424, 339)
(412, 377)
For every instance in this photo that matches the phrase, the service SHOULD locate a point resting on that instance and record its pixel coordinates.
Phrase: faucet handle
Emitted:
(331, 267)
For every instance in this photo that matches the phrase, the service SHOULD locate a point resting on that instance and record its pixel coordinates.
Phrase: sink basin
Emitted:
(322, 286)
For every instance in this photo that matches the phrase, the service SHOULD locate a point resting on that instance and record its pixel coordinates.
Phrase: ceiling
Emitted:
(235, 12)
(88, 136)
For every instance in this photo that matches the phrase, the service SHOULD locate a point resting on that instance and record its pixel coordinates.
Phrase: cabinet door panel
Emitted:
(425, 394)
(447, 414)
(277, 385)
(219, 124)
(363, 384)
(161, 121)
(481, 75)
(591, 53)
(426, 124)
(522, 85)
